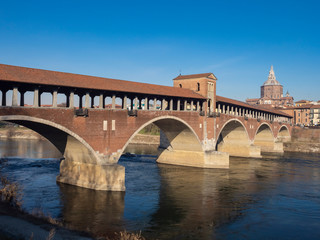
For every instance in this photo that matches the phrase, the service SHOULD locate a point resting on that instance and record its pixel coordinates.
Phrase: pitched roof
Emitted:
(302, 101)
(255, 107)
(201, 75)
(304, 106)
(53, 78)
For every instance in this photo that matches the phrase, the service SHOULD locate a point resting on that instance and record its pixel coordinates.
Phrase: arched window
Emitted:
(180, 85)
(198, 86)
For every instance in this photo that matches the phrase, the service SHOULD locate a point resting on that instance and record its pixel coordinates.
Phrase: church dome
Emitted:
(271, 78)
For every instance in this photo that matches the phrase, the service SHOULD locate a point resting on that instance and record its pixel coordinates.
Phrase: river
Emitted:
(275, 197)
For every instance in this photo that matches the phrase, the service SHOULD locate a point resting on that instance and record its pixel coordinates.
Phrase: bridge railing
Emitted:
(16, 96)
(246, 113)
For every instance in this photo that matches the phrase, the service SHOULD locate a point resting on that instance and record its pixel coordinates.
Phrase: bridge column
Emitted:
(146, 103)
(101, 101)
(124, 102)
(135, 103)
(185, 105)
(163, 103)
(54, 99)
(22, 92)
(113, 106)
(171, 104)
(36, 98)
(178, 105)
(92, 100)
(4, 97)
(15, 97)
(154, 104)
(87, 101)
(71, 99)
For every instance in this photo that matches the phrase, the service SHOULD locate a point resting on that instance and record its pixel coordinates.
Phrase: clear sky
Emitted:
(153, 41)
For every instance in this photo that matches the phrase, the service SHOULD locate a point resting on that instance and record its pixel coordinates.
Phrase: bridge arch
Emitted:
(233, 138)
(284, 134)
(71, 145)
(265, 138)
(176, 134)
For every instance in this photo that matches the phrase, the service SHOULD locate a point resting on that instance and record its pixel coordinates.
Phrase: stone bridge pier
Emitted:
(81, 165)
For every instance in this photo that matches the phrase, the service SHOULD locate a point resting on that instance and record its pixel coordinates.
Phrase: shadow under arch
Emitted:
(176, 137)
(71, 146)
(284, 134)
(264, 138)
(234, 139)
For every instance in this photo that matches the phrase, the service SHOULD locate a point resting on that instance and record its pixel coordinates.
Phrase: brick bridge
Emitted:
(97, 117)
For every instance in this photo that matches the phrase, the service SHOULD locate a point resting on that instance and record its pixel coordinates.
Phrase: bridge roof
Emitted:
(62, 79)
(243, 104)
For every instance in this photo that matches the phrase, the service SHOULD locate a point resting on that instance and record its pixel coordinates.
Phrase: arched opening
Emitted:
(180, 85)
(46, 99)
(28, 98)
(175, 141)
(61, 100)
(234, 140)
(198, 87)
(96, 101)
(77, 101)
(264, 138)
(70, 145)
(119, 103)
(108, 102)
(284, 134)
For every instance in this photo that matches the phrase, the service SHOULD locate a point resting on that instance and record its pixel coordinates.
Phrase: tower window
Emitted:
(198, 86)
(180, 85)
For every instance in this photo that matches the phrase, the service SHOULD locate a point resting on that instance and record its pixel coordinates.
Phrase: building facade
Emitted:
(271, 93)
(315, 115)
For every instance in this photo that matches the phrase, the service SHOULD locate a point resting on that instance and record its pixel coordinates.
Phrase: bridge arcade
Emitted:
(91, 120)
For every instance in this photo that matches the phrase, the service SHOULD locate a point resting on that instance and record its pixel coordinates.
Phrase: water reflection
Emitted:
(276, 197)
(98, 212)
(28, 148)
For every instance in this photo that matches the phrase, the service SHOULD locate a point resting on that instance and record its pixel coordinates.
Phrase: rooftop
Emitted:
(255, 107)
(54, 78)
(201, 75)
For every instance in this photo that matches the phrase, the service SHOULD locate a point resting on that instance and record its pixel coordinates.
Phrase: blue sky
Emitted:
(153, 41)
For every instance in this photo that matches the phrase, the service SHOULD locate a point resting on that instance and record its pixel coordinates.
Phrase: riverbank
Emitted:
(303, 140)
(25, 133)
(16, 224)
(13, 132)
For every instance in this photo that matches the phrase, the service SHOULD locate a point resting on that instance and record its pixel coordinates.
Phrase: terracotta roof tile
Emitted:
(304, 106)
(302, 101)
(53, 78)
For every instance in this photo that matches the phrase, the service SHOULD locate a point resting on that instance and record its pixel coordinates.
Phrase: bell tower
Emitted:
(204, 84)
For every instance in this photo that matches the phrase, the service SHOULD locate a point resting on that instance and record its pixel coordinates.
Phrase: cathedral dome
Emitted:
(271, 78)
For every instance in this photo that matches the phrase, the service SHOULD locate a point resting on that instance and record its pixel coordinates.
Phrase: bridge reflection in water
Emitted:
(272, 197)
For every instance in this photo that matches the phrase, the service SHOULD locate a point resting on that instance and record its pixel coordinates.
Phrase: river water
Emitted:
(276, 197)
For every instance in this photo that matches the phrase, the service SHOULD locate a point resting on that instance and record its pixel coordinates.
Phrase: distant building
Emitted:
(315, 115)
(272, 94)
(302, 114)
(302, 102)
